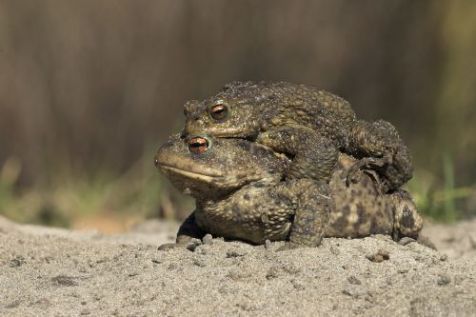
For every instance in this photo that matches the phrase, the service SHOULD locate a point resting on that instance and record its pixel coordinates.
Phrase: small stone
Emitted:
(17, 262)
(167, 246)
(43, 303)
(172, 266)
(380, 256)
(353, 280)
(290, 268)
(298, 285)
(443, 280)
(85, 312)
(193, 244)
(207, 239)
(267, 244)
(13, 304)
(238, 274)
(406, 241)
(353, 291)
(272, 273)
(64, 280)
(234, 254)
(74, 295)
(419, 258)
(334, 250)
(199, 263)
(370, 296)
(201, 251)
(443, 257)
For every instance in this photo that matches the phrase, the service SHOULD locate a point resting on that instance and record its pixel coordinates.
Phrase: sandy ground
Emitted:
(54, 272)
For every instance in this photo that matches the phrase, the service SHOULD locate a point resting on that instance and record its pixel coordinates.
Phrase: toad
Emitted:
(241, 194)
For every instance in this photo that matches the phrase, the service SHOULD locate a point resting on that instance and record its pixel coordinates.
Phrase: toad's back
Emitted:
(288, 104)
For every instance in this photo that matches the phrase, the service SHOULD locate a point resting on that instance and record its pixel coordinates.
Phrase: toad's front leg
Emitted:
(314, 156)
(188, 235)
(312, 213)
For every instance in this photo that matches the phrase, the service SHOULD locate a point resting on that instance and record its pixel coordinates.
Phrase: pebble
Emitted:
(443, 280)
(267, 244)
(334, 250)
(380, 256)
(207, 239)
(406, 241)
(353, 280)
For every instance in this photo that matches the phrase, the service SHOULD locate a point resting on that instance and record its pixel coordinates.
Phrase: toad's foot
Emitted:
(188, 236)
(367, 165)
(314, 156)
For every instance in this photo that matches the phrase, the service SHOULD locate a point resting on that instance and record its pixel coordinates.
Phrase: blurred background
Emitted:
(90, 89)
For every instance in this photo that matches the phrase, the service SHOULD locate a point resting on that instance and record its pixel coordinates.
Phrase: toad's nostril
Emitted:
(183, 134)
(190, 107)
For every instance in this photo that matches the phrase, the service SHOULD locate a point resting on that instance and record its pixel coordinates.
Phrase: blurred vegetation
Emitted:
(89, 89)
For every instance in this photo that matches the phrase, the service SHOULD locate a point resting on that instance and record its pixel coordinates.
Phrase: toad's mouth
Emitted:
(202, 175)
(215, 178)
(236, 134)
(230, 132)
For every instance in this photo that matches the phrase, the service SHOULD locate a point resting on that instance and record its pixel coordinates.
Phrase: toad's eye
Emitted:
(219, 111)
(198, 145)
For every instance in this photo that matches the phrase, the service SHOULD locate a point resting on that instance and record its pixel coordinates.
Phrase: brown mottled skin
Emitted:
(307, 124)
(240, 194)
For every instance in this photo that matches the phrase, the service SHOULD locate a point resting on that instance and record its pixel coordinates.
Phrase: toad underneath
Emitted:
(241, 194)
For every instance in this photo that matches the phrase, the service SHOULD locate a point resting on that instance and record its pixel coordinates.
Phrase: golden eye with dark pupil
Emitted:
(198, 145)
(219, 111)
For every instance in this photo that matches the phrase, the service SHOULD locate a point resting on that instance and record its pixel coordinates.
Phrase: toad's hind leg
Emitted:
(380, 148)
(314, 156)
(407, 221)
